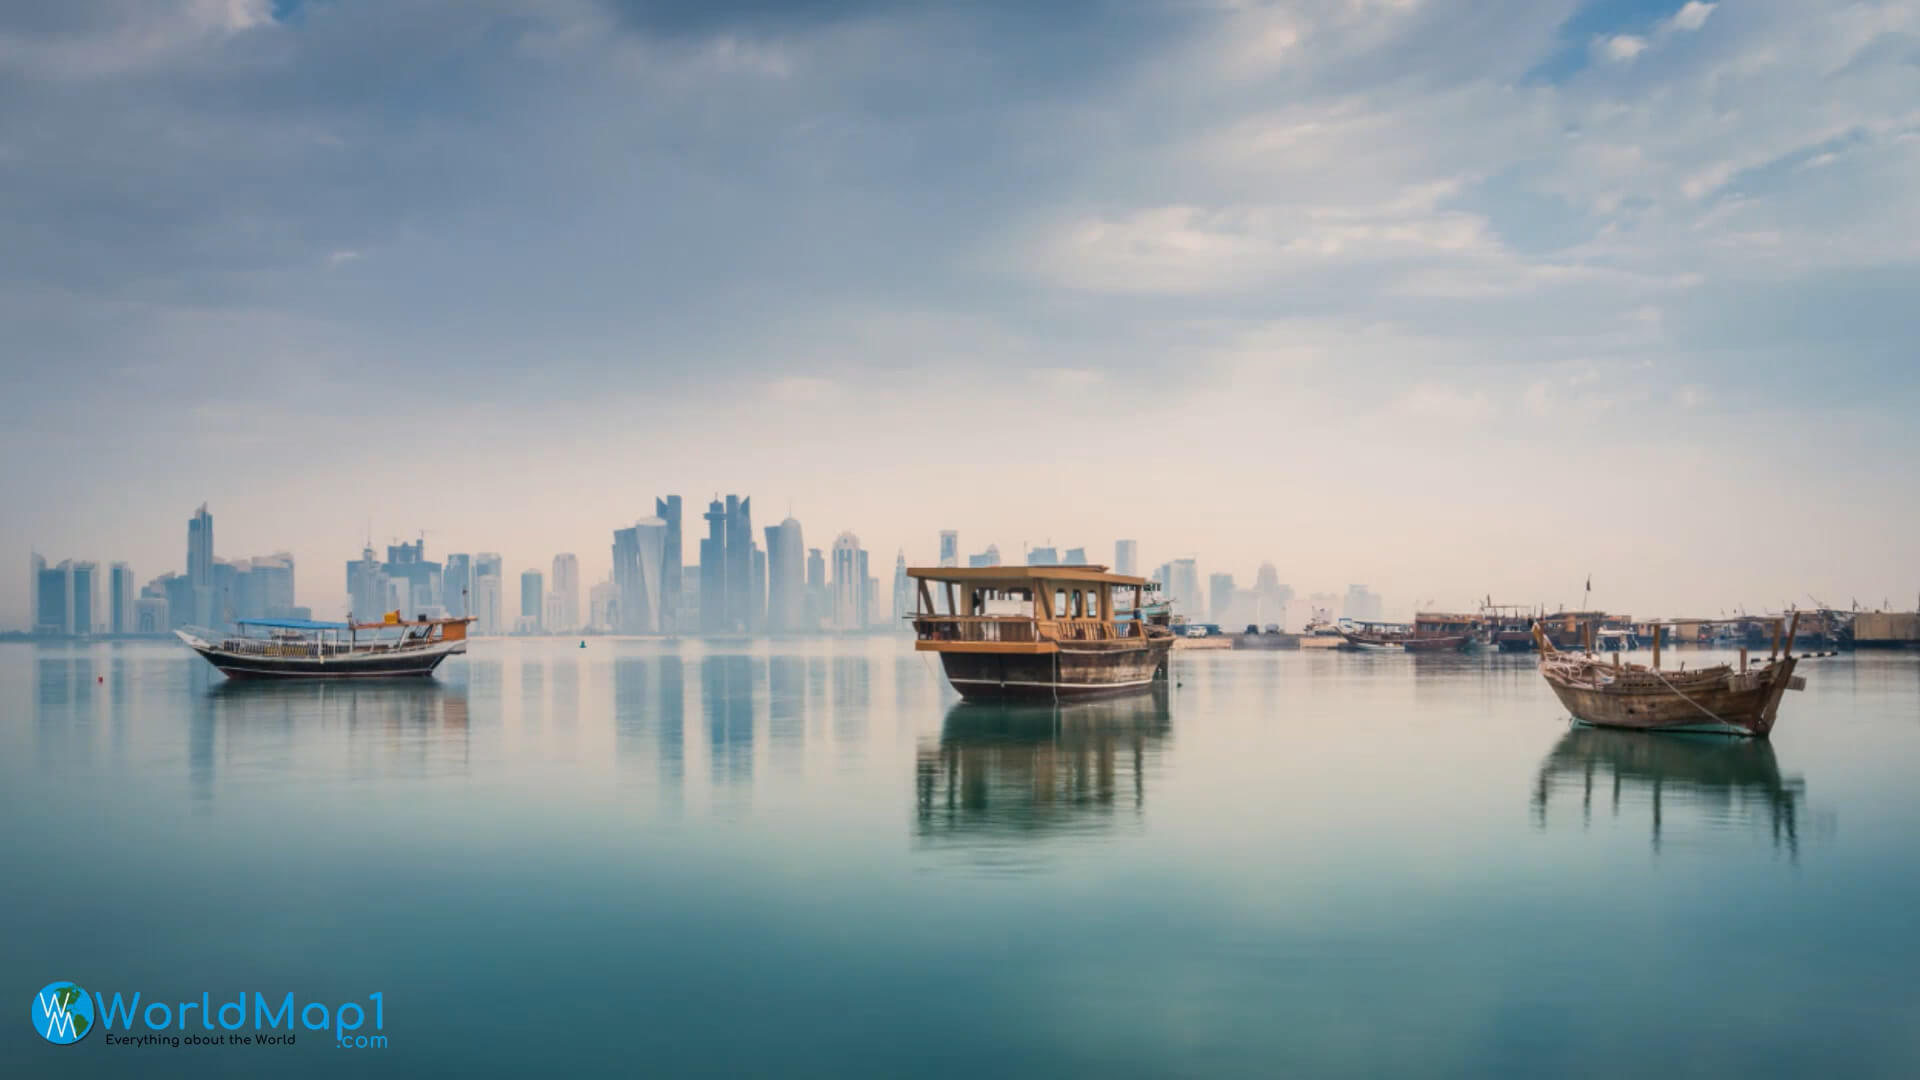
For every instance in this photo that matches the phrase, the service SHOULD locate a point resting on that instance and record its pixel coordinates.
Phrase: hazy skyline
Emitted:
(1451, 299)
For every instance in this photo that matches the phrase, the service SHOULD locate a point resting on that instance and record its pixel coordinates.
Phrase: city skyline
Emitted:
(1372, 305)
(796, 588)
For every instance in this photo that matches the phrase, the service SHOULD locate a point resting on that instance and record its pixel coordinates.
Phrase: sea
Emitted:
(806, 857)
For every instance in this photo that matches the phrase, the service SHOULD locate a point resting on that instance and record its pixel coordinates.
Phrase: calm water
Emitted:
(805, 858)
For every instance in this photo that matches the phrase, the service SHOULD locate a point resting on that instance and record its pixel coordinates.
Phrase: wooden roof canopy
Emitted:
(1022, 577)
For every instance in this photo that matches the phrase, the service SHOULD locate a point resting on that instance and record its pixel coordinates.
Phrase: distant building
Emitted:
(367, 593)
(1126, 557)
(786, 578)
(414, 581)
(120, 599)
(1180, 585)
(1363, 604)
(902, 592)
(639, 577)
(729, 598)
(667, 510)
(949, 547)
(489, 612)
(602, 601)
(456, 582)
(1273, 596)
(849, 583)
(200, 567)
(1220, 596)
(1043, 556)
(989, 557)
(1075, 557)
(150, 614)
(564, 593)
(532, 597)
(66, 597)
(819, 603)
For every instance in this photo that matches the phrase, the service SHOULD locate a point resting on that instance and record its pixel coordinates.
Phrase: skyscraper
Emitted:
(818, 605)
(487, 609)
(949, 547)
(732, 596)
(414, 583)
(565, 591)
(786, 578)
(53, 598)
(120, 615)
(740, 607)
(532, 600)
(849, 583)
(1180, 582)
(36, 565)
(989, 557)
(1220, 596)
(1043, 556)
(713, 570)
(668, 511)
(603, 600)
(902, 591)
(456, 582)
(639, 577)
(82, 610)
(200, 566)
(1075, 557)
(366, 587)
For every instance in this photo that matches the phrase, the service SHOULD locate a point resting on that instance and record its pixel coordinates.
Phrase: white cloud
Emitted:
(1622, 47)
(1692, 16)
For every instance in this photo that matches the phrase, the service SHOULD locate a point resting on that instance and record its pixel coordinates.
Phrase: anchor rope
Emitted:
(1683, 696)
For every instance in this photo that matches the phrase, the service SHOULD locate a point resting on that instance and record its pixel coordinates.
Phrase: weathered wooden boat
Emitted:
(1038, 633)
(1720, 698)
(304, 649)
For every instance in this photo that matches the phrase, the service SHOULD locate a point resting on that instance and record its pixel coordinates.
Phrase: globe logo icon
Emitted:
(62, 1013)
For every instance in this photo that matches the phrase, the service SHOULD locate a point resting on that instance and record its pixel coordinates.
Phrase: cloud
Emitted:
(1622, 47)
(1691, 16)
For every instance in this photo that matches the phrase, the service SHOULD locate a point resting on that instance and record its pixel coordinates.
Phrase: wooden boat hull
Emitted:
(1076, 671)
(1732, 705)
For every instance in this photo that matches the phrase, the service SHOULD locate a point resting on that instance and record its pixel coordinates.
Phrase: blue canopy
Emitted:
(292, 624)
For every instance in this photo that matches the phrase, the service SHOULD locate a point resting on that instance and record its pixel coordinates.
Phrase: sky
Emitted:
(1454, 298)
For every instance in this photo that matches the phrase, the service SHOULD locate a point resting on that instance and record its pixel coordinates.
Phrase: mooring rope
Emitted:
(1683, 696)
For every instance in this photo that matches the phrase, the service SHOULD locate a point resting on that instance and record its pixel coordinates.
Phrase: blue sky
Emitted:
(1450, 298)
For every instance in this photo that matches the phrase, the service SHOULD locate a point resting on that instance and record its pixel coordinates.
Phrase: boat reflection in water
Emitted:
(1003, 777)
(373, 727)
(1725, 782)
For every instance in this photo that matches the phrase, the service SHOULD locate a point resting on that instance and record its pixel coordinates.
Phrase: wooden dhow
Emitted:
(304, 649)
(1038, 633)
(1719, 699)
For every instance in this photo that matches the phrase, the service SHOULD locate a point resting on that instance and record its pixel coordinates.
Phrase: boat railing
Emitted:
(1018, 628)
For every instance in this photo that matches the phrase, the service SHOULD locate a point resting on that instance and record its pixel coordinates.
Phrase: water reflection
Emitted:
(383, 727)
(1725, 782)
(1002, 776)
